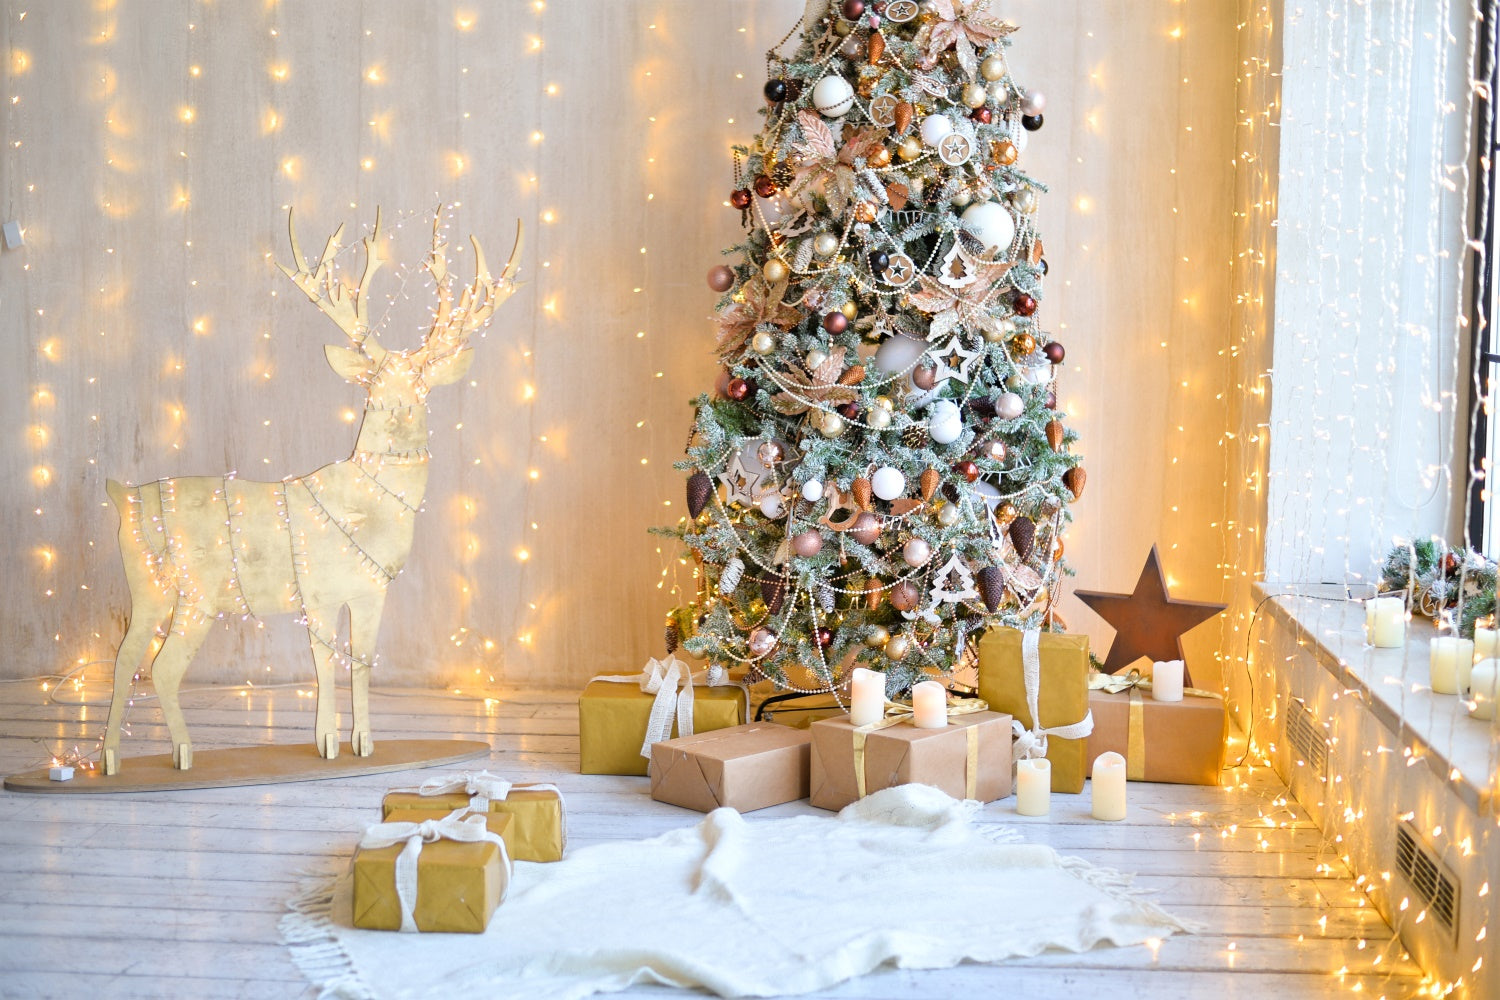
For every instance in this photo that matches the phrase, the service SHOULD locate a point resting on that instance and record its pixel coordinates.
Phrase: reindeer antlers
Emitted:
(349, 308)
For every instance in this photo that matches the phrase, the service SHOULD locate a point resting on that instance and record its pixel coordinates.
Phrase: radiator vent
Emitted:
(1432, 883)
(1306, 739)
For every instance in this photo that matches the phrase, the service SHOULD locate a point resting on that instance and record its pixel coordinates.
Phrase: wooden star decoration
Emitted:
(1148, 622)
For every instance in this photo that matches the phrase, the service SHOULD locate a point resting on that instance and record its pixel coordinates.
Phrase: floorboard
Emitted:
(177, 894)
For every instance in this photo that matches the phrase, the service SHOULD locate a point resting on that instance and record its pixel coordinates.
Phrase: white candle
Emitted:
(1485, 688)
(1447, 656)
(1486, 644)
(866, 697)
(1034, 786)
(929, 705)
(1166, 680)
(1385, 622)
(1109, 786)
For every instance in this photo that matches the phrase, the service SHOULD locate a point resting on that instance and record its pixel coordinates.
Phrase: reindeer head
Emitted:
(397, 381)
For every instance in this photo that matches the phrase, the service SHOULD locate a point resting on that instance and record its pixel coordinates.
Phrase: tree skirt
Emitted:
(902, 878)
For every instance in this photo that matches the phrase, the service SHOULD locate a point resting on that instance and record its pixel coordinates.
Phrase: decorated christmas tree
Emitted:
(882, 471)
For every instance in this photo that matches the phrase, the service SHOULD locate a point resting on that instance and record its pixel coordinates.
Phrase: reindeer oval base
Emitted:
(264, 765)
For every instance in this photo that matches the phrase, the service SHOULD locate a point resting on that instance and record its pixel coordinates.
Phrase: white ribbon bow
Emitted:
(480, 788)
(671, 681)
(450, 827)
(1033, 742)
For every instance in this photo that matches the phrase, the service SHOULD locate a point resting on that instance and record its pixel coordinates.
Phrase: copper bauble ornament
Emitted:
(1005, 152)
(874, 594)
(853, 10)
(807, 543)
(904, 596)
(1023, 304)
(740, 198)
(924, 378)
(879, 158)
(1022, 344)
(764, 186)
(1074, 479)
(721, 278)
(865, 211)
(699, 489)
(866, 529)
(737, 390)
(982, 115)
(761, 642)
(968, 469)
(835, 323)
(990, 582)
(1022, 533)
(1055, 434)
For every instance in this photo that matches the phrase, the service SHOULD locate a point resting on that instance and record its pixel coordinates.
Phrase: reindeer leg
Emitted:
(320, 636)
(144, 619)
(364, 626)
(189, 629)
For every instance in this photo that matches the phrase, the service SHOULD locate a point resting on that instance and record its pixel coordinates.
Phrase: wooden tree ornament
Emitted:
(202, 547)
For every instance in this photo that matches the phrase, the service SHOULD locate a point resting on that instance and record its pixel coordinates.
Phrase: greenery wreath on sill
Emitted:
(1440, 579)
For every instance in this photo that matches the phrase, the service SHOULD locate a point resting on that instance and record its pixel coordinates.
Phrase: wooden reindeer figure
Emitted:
(201, 548)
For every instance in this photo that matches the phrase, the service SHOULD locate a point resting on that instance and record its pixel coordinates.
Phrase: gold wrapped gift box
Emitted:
(1062, 697)
(969, 758)
(744, 767)
(612, 719)
(539, 830)
(459, 885)
(1177, 742)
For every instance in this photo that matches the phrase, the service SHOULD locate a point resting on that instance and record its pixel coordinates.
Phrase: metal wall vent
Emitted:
(1305, 737)
(1432, 882)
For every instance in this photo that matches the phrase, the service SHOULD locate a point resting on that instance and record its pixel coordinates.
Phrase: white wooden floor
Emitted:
(178, 894)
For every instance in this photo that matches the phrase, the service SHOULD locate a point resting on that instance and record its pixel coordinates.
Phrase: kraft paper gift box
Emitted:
(744, 767)
(969, 758)
(800, 712)
(1062, 697)
(539, 831)
(613, 716)
(459, 884)
(1177, 742)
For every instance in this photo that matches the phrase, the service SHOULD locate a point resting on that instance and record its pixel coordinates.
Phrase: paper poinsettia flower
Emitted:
(827, 169)
(962, 25)
(761, 303)
(968, 304)
(819, 387)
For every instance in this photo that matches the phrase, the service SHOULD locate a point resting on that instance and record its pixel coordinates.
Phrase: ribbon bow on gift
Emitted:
(1135, 734)
(451, 827)
(480, 788)
(1033, 742)
(898, 712)
(671, 681)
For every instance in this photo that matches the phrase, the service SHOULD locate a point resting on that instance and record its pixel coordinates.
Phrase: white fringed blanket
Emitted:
(745, 908)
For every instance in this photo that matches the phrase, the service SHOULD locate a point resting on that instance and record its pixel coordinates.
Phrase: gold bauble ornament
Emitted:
(974, 95)
(1004, 152)
(878, 637)
(763, 343)
(948, 515)
(910, 148)
(774, 271)
(865, 211)
(850, 309)
(898, 647)
(1022, 344)
(992, 69)
(994, 336)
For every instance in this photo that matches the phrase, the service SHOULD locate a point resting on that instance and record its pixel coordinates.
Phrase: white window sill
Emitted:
(1395, 685)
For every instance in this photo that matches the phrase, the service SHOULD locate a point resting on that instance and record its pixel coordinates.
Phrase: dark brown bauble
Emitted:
(924, 378)
(879, 261)
(1051, 401)
(672, 635)
(823, 637)
(773, 592)
(968, 469)
(1055, 353)
(1450, 564)
(1031, 122)
(699, 489)
(740, 198)
(737, 390)
(764, 186)
(835, 323)
(1022, 533)
(849, 411)
(1074, 479)
(853, 9)
(775, 91)
(982, 115)
(1023, 304)
(721, 278)
(990, 582)
(866, 530)
(1055, 433)
(904, 596)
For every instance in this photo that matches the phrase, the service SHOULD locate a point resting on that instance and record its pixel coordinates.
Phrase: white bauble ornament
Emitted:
(771, 505)
(944, 423)
(962, 199)
(833, 97)
(824, 244)
(832, 426)
(916, 552)
(1033, 102)
(1026, 201)
(888, 483)
(815, 358)
(949, 515)
(763, 343)
(898, 353)
(812, 490)
(935, 128)
(992, 223)
(879, 419)
(1009, 406)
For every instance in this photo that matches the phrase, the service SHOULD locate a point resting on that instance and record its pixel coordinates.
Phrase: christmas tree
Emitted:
(882, 472)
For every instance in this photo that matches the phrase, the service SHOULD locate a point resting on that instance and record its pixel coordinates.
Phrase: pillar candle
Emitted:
(1109, 786)
(1034, 786)
(929, 705)
(866, 697)
(1166, 680)
(1385, 622)
(1485, 688)
(1486, 643)
(1447, 656)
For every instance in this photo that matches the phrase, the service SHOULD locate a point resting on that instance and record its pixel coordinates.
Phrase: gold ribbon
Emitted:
(1135, 738)
(896, 713)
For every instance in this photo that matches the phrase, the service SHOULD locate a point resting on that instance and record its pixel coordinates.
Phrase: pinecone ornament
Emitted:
(1023, 536)
(699, 489)
(729, 579)
(914, 436)
(990, 582)
(1055, 434)
(773, 592)
(929, 483)
(863, 494)
(673, 635)
(1074, 479)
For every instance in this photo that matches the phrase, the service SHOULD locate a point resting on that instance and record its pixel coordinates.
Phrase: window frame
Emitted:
(1484, 367)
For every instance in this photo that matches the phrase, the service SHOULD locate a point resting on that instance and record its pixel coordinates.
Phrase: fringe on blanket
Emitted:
(307, 930)
(1122, 887)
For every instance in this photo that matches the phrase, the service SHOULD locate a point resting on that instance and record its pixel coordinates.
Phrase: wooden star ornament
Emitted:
(1148, 622)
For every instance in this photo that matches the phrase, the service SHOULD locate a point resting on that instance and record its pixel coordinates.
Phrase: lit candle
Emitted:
(1166, 680)
(1486, 643)
(1385, 622)
(866, 697)
(1034, 786)
(1484, 685)
(1109, 786)
(1447, 656)
(929, 705)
